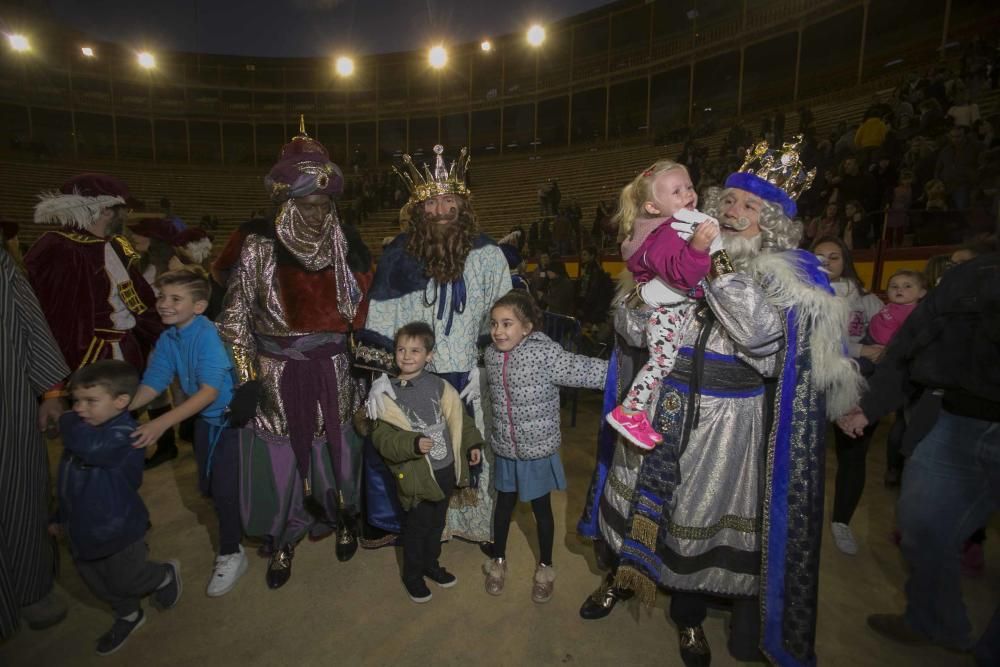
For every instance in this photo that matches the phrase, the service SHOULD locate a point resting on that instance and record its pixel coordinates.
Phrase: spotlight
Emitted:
(486, 46)
(345, 66)
(87, 51)
(146, 60)
(437, 57)
(536, 35)
(19, 42)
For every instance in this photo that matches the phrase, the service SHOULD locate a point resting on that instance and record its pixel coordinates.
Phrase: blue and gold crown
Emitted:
(778, 177)
(442, 181)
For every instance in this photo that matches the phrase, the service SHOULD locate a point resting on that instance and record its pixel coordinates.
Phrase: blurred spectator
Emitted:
(829, 224)
(560, 293)
(595, 289)
(964, 112)
(957, 165)
(897, 218)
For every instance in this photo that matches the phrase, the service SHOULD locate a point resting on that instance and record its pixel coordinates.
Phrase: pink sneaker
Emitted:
(635, 428)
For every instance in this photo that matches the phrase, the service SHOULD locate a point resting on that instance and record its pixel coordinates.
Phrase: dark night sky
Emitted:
(305, 27)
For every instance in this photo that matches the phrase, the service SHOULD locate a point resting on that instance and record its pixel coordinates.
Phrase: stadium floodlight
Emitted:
(536, 35)
(146, 60)
(19, 42)
(437, 57)
(345, 66)
(87, 51)
(486, 46)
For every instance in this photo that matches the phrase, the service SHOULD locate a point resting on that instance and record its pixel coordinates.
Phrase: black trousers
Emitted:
(851, 462)
(690, 609)
(894, 443)
(123, 578)
(222, 482)
(422, 530)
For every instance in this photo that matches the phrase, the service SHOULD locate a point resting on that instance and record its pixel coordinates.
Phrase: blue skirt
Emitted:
(531, 479)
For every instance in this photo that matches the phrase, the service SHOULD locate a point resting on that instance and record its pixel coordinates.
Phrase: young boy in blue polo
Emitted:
(100, 509)
(191, 350)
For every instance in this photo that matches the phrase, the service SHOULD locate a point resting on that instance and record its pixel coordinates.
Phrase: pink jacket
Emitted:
(887, 321)
(655, 249)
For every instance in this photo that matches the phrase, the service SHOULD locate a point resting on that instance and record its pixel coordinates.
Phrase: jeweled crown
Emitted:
(442, 181)
(782, 169)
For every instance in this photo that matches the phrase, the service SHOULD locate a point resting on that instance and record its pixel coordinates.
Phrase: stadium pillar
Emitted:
(691, 93)
(76, 147)
(569, 96)
(944, 28)
(739, 84)
(864, 36)
(222, 143)
(503, 91)
(187, 139)
(798, 63)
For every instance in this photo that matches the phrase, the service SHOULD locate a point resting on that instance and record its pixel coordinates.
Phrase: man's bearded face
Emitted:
(441, 209)
(740, 214)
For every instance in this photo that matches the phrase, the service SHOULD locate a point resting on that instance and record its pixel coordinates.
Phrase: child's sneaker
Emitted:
(545, 583)
(495, 570)
(228, 570)
(115, 638)
(418, 591)
(635, 428)
(441, 577)
(167, 596)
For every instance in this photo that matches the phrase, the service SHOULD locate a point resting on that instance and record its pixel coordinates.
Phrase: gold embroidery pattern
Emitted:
(126, 290)
(621, 488)
(721, 264)
(729, 521)
(244, 364)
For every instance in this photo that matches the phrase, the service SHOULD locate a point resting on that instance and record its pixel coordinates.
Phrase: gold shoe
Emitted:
(495, 570)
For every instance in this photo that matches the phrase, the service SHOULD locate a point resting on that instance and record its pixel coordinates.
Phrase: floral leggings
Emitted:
(663, 340)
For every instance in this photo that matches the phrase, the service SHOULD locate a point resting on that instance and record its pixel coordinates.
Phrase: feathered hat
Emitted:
(155, 228)
(80, 200)
(777, 177)
(194, 242)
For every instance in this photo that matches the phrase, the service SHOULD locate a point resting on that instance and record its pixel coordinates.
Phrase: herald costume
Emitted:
(403, 292)
(90, 288)
(292, 301)
(731, 503)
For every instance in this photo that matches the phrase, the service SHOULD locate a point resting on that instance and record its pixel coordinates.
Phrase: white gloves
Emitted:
(471, 391)
(689, 220)
(375, 404)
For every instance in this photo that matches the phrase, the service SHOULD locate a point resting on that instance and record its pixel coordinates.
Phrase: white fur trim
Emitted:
(199, 251)
(73, 210)
(833, 372)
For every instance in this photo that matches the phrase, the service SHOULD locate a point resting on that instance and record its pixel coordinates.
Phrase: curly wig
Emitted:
(443, 247)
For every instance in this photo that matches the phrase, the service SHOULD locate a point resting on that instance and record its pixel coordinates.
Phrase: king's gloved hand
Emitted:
(375, 403)
(243, 406)
(471, 391)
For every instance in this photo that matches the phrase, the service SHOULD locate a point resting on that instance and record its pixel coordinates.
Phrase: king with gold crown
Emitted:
(447, 274)
(729, 508)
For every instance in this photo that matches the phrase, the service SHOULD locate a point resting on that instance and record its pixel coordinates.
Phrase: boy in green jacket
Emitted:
(428, 441)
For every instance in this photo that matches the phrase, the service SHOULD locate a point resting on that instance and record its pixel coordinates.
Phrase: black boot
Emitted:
(279, 567)
(347, 539)
(166, 446)
(695, 651)
(600, 603)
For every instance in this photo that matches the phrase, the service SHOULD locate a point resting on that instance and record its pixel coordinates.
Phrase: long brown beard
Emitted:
(443, 247)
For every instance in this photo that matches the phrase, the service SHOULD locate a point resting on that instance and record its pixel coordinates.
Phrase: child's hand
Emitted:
(475, 456)
(704, 234)
(424, 445)
(148, 433)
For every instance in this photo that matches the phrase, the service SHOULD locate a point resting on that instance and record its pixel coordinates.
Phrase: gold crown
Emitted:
(442, 181)
(781, 169)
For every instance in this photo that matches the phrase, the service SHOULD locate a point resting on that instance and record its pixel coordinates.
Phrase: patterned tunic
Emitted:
(30, 363)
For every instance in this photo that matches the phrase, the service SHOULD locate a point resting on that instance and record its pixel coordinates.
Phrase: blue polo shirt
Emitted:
(197, 356)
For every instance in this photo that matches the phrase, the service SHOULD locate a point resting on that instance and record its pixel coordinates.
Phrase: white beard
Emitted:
(741, 249)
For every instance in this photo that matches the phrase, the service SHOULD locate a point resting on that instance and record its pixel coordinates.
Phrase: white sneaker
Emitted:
(228, 570)
(844, 538)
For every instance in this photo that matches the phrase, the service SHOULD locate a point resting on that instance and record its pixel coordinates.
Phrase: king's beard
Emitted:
(741, 249)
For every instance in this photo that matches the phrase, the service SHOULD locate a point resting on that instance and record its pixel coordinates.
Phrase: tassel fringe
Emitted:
(632, 579)
(644, 530)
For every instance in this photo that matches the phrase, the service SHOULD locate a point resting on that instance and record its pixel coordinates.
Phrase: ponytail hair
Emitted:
(637, 193)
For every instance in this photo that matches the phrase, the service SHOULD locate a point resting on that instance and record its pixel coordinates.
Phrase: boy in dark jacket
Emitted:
(105, 519)
(427, 440)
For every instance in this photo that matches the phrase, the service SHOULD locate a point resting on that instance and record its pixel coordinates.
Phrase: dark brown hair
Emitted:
(192, 278)
(524, 307)
(850, 273)
(114, 376)
(907, 273)
(419, 330)
(443, 248)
